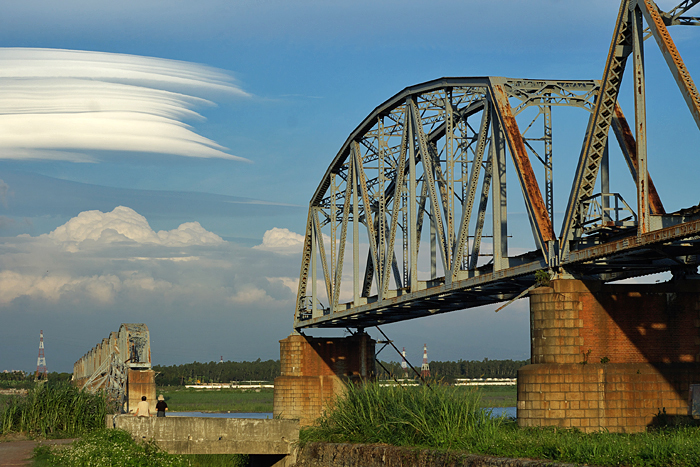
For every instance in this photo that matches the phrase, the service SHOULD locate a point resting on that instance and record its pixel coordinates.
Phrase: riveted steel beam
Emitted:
(537, 211)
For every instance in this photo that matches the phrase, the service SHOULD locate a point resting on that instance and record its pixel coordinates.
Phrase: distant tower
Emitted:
(222, 359)
(404, 365)
(42, 373)
(424, 368)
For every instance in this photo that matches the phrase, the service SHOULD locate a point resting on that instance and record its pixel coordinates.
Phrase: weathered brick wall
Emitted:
(647, 335)
(314, 370)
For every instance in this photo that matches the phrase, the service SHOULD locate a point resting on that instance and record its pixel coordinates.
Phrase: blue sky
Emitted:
(250, 101)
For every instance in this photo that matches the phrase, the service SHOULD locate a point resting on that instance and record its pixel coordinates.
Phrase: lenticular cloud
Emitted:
(63, 104)
(126, 225)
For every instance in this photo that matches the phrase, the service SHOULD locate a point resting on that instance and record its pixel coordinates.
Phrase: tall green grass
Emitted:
(441, 417)
(222, 400)
(54, 411)
(445, 418)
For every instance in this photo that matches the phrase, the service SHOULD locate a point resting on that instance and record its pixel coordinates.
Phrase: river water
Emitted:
(496, 412)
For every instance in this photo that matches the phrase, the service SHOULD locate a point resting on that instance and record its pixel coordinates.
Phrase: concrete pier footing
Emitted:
(617, 357)
(315, 370)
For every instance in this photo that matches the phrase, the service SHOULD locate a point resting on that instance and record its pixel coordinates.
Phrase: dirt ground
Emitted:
(17, 450)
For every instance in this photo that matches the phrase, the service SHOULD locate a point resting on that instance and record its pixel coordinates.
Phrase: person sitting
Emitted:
(142, 410)
(161, 406)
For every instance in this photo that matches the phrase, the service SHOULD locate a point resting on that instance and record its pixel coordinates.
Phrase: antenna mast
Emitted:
(42, 373)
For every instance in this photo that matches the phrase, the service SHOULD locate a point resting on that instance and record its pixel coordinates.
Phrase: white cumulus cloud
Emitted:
(62, 104)
(282, 241)
(123, 224)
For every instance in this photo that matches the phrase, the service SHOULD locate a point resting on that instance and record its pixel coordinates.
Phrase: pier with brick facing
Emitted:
(610, 356)
(315, 370)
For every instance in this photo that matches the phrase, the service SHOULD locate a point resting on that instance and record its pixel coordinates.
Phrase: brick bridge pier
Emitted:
(610, 356)
(603, 357)
(315, 370)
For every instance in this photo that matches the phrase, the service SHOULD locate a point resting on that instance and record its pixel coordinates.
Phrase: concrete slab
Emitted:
(203, 435)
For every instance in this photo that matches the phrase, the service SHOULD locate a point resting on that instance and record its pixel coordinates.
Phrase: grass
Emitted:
(440, 417)
(53, 411)
(497, 396)
(116, 448)
(221, 400)
(448, 418)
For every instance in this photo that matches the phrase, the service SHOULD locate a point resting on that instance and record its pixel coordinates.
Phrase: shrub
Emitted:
(54, 411)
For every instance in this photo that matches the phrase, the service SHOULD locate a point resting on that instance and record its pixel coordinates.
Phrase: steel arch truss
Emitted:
(396, 228)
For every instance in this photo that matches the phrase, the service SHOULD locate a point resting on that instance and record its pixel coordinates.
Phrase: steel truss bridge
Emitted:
(431, 163)
(106, 366)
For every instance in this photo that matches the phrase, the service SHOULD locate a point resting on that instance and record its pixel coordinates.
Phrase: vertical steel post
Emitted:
(548, 164)
(314, 296)
(640, 122)
(605, 182)
(433, 241)
(412, 203)
(333, 209)
(499, 200)
(355, 237)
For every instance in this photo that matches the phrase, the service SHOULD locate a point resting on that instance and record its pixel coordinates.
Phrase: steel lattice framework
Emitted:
(105, 367)
(433, 158)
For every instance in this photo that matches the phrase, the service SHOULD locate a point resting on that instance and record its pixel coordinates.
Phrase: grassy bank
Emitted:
(453, 418)
(116, 448)
(181, 399)
(49, 410)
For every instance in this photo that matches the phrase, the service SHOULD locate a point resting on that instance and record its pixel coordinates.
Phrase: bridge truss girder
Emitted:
(436, 154)
(106, 366)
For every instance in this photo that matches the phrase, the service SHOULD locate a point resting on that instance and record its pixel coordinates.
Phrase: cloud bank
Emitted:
(63, 104)
(126, 225)
(100, 259)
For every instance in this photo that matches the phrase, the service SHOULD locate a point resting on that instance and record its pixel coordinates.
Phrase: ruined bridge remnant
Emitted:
(120, 366)
(411, 219)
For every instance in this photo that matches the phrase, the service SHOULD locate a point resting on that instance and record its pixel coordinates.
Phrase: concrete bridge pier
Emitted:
(612, 357)
(314, 370)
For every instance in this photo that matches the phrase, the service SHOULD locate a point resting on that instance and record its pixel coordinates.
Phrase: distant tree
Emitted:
(222, 372)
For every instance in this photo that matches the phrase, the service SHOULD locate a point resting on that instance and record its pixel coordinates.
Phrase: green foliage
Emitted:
(108, 448)
(449, 419)
(214, 372)
(222, 400)
(448, 371)
(14, 376)
(54, 410)
(586, 355)
(543, 278)
(443, 417)
(116, 448)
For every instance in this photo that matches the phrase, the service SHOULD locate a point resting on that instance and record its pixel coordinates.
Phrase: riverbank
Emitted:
(183, 399)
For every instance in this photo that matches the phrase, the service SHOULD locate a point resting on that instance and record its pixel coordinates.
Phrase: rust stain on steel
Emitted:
(655, 204)
(674, 232)
(674, 60)
(522, 161)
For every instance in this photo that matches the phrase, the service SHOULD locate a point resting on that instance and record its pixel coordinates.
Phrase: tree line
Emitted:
(449, 371)
(268, 370)
(216, 372)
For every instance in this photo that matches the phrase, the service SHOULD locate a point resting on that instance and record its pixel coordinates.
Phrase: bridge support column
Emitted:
(141, 383)
(315, 370)
(610, 357)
